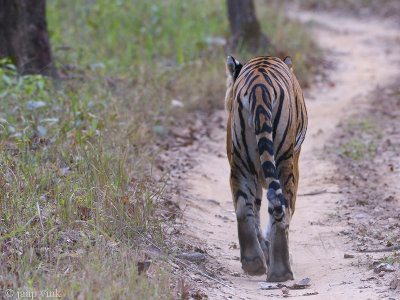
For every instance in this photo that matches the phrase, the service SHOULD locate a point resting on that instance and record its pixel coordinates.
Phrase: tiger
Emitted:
(266, 127)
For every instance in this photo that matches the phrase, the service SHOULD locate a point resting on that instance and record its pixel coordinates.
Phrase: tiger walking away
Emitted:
(266, 126)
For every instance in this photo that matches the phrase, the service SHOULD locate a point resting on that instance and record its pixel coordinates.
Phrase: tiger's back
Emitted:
(266, 127)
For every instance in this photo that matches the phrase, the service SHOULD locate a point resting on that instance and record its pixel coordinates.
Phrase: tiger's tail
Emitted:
(264, 136)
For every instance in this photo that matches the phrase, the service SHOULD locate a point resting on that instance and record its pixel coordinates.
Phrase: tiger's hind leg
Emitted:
(279, 268)
(251, 253)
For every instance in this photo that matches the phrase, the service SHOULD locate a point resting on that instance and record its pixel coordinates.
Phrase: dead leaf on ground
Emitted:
(183, 289)
(129, 207)
(302, 284)
(390, 198)
(84, 212)
(348, 255)
(269, 285)
(394, 283)
(198, 295)
(233, 245)
(143, 266)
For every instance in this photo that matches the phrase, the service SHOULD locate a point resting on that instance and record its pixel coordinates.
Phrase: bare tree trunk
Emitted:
(245, 28)
(24, 38)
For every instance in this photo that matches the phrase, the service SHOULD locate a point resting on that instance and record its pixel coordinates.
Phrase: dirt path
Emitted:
(365, 55)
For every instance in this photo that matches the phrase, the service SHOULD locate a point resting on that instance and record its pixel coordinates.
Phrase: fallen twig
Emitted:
(386, 249)
(314, 193)
(292, 296)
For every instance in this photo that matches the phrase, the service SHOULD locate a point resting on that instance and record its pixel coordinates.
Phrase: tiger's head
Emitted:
(233, 67)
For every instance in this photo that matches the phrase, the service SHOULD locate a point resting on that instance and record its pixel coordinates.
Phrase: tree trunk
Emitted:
(245, 28)
(24, 38)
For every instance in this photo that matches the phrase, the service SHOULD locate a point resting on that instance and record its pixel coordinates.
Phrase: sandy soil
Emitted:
(364, 55)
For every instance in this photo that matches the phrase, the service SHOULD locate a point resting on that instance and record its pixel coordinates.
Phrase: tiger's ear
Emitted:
(288, 61)
(233, 67)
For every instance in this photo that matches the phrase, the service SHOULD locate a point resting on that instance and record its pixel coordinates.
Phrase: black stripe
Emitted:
(236, 138)
(274, 185)
(266, 96)
(291, 198)
(281, 79)
(285, 156)
(247, 83)
(269, 170)
(236, 167)
(265, 144)
(238, 194)
(278, 113)
(257, 121)
(291, 176)
(283, 140)
(248, 188)
(236, 152)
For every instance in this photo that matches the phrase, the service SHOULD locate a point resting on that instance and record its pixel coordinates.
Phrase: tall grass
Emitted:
(68, 199)
(75, 160)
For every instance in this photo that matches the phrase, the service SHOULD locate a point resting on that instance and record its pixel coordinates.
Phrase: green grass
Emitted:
(358, 149)
(366, 127)
(362, 140)
(126, 35)
(76, 160)
(389, 260)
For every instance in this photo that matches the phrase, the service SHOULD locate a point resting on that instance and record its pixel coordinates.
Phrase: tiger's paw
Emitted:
(279, 268)
(254, 266)
(280, 276)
